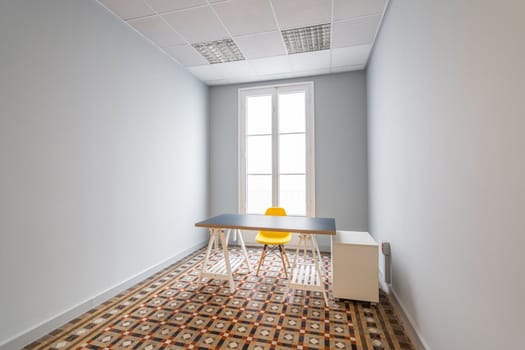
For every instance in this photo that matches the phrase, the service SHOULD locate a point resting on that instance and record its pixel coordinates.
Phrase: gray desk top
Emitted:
(299, 224)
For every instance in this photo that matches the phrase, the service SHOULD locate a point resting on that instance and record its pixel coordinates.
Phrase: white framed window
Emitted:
(276, 149)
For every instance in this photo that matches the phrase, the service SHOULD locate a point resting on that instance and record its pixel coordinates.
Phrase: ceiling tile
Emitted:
(230, 70)
(275, 76)
(355, 32)
(271, 65)
(240, 80)
(310, 60)
(261, 45)
(128, 9)
(347, 68)
(346, 9)
(197, 24)
(352, 55)
(157, 30)
(246, 16)
(308, 73)
(162, 6)
(235, 70)
(300, 13)
(186, 55)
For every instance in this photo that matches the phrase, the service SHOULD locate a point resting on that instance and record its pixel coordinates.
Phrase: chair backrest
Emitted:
(275, 212)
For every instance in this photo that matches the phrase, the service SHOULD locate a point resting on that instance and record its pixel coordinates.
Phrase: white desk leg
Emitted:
(293, 271)
(227, 261)
(208, 251)
(243, 247)
(228, 235)
(314, 239)
(316, 259)
(215, 242)
(307, 244)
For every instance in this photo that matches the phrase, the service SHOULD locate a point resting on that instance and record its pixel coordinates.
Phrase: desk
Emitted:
(304, 275)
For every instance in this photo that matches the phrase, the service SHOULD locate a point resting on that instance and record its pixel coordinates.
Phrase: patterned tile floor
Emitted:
(167, 311)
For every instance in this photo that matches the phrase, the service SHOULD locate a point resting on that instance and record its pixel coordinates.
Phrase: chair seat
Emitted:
(266, 239)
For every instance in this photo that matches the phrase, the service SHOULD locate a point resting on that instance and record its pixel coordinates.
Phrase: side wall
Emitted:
(340, 149)
(103, 156)
(446, 152)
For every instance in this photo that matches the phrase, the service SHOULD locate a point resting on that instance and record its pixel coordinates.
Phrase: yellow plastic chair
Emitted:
(272, 238)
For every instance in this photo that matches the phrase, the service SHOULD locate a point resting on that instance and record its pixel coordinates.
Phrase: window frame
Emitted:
(274, 90)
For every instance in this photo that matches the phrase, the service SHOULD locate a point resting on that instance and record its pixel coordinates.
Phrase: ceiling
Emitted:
(257, 47)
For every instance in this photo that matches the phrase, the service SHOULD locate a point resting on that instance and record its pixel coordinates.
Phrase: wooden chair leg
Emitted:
(263, 255)
(281, 249)
(286, 257)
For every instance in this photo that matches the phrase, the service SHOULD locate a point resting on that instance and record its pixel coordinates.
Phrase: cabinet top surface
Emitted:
(354, 237)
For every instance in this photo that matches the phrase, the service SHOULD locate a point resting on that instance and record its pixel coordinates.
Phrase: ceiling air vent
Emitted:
(306, 39)
(219, 51)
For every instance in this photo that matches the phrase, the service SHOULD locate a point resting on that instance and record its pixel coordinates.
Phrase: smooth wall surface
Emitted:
(446, 143)
(103, 156)
(340, 149)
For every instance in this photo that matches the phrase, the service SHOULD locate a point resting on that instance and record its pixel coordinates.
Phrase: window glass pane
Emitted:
(258, 193)
(292, 112)
(259, 154)
(292, 194)
(259, 115)
(292, 153)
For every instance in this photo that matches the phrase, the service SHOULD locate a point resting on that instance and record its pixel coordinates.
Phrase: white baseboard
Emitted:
(408, 322)
(27, 337)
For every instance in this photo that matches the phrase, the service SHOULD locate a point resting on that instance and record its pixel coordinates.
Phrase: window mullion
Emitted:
(275, 149)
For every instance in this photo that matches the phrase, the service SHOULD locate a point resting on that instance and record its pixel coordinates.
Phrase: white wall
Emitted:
(103, 156)
(340, 148)
(446, 153)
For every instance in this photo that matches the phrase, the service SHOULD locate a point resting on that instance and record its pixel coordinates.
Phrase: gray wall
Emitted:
(103, 156)
(340, 147)
(446, 140)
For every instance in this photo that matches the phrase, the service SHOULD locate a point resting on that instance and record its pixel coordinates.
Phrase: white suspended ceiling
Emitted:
(256, 26)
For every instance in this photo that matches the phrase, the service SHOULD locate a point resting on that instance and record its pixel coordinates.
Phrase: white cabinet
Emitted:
(354, 266)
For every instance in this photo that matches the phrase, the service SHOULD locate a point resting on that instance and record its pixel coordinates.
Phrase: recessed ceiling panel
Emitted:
(162, 6)
(347, 9)
(352, 55)
(310, 60)
(128, 9)
(302, 13)
(306, 39)
(246, 16)
(219, 51)
(197, 25)
(355, 32)
(157, 30)
(261, 45)
(186, 55)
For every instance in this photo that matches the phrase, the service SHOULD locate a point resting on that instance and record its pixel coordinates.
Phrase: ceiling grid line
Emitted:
(225, 27)
(277, 22)
(169, 25)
